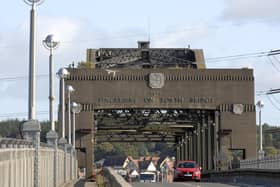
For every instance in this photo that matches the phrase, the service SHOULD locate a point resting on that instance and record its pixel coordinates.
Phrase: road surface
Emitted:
(79, 183)
(181, 184)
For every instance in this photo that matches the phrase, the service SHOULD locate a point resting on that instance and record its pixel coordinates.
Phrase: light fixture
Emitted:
(62, 74)
(50, 44)
(69, 90)
(260, 105)
(76, 108)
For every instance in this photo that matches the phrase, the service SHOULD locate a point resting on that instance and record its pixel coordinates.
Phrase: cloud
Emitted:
(75, 36)
(180, 37)
(4, 86)
(64, 29)
(14, 58)
(244, 10)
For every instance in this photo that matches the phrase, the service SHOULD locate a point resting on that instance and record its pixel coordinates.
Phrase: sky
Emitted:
(219, 27)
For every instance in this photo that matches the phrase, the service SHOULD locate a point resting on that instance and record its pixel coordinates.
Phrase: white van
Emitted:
(147, 177)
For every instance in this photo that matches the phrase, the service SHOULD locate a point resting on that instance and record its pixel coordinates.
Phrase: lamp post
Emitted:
(31, 128)
(62, 74)
(260, 105)
(69, 90)
(50, 43)
(32, 58)
(76, 108)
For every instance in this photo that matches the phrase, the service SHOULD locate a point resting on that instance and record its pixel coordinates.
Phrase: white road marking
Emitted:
(190, 185)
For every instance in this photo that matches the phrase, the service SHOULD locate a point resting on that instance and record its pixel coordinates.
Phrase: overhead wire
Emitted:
(208, 60)
(24, 77)
(272, 103)
(275, 99)
(237, 57)
(272, 63)
(276, 59)
(260, 93)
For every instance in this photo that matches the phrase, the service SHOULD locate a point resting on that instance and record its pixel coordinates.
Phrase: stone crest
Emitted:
(238, 109)
(156, 80)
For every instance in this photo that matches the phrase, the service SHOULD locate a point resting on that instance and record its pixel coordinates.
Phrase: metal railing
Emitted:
(272, 162)
(17, 159)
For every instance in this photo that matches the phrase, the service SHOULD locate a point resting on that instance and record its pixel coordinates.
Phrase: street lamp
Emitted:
(50, 43)
(76, 108)
(69, 90)
(62, 74)
(32, 127)
(32, 58)
(260, 105)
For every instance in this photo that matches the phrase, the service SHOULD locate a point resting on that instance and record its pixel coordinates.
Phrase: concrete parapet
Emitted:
(114, 179)
(16, 167)
(272, 162)
(17, 164)
(255, 177)
(14, 143)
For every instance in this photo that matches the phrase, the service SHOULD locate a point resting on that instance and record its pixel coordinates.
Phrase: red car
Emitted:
(187, 170)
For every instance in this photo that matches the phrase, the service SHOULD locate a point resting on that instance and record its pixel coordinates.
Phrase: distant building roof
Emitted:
(134, 173)
(143, 165)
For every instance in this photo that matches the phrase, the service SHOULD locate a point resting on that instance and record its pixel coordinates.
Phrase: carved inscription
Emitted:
(171, 100)
(152, 99)
(154, 93)
(148, 100)
(116, 100)
(201, 100)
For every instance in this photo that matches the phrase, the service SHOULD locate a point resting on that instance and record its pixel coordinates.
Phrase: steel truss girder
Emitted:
(147, 124)
(154, 58)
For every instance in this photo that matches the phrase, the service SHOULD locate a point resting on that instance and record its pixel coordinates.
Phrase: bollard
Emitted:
(52, 140)
(63, 143)
(31, 132)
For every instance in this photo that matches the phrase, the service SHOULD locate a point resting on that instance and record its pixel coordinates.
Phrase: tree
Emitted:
(142, 150)
(270, 151)
(276, 140)
(86, 64)
(45, 128)
(125, 149)
(268, 140)
(106, 147)
(103, 149)
(11, 128)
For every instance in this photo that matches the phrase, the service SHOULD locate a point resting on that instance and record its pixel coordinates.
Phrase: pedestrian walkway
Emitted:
(80, 183)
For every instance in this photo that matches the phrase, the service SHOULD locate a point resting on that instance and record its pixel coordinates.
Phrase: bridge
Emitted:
(146, 95)
(163, 95)
(18, 162)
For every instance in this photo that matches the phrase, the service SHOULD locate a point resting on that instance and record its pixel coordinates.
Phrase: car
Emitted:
(187, 170)
(147, 177)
